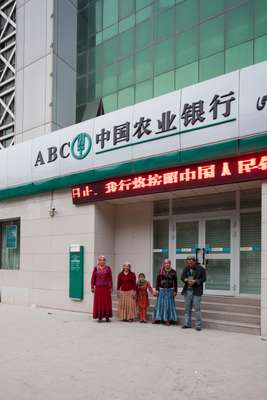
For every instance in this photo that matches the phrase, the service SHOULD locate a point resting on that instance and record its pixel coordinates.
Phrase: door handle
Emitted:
(197, 251)
(204, 255)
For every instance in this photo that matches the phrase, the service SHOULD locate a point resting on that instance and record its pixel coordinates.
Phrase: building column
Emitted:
(45, 89)
(263, 261)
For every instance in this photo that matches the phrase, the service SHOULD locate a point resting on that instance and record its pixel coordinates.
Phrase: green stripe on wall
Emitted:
(219, 150)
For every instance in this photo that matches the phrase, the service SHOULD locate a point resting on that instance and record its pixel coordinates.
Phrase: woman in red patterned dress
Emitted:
(101, 286)
(142, 301)
(126, 288)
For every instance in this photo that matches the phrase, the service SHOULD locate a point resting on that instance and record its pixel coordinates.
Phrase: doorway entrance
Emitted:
(210, 238)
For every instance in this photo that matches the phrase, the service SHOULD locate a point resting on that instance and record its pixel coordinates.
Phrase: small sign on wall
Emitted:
(11, 236)
(76, 257)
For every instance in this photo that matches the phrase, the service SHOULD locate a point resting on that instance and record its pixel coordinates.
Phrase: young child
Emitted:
(143, 286)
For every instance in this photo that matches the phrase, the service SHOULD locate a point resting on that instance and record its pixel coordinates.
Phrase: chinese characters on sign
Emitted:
(215, 172)
(219, 107)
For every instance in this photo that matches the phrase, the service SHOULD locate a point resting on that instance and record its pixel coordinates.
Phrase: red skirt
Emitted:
(102, 303)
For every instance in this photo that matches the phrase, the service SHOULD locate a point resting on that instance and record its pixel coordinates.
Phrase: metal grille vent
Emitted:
(7, 71)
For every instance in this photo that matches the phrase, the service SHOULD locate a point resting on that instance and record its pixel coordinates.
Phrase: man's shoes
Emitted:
(198, 328)
(186, 327)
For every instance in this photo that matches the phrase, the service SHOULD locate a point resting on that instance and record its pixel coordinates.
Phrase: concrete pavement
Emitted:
(54, 355)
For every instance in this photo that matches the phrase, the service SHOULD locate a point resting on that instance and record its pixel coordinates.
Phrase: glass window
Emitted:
(211, 66)
(91, 86)
(82, 4)
(164, 24)
(144, 65)
(164, 3)
(187, 75)
(126, 72)
(110, 103)
(91, 19)
(110, 32)
(161, 207)
(81, 90)
(220, 201)
(126, 43)
(110, 79)
(161, 234)
(186, 15)
(212, 36)
(91, 59)
(99, 38)
(260, 17)
(98, 57)
(250, 198)
(144, 91)
(260, 49)
(10, 244)
(126, 23)
(239, 56)
(82, 29)
(126, 8)
(98, 15)
(164, 56)
(160, 245)
(82, 63)
(142, 3)
(110, 12)
(144, 34)
(164, 83)
(80, 112)
(144, 14)
(210, 8)
(250, 253)
(110, 49)
(126, 97)
(187, 47)
(239, 25)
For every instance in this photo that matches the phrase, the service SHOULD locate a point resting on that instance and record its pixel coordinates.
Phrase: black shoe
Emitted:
(99, 320)
(198, 328)
(186, 327)
(107, 320)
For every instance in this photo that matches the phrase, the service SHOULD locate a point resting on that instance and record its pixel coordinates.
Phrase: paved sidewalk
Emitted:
(54, 355)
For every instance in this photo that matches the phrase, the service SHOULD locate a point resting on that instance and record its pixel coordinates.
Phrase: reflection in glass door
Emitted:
(187, 241)
(211, 239)
(218, 255)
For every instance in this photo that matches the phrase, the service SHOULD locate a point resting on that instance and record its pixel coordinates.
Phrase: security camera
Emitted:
(52, 212)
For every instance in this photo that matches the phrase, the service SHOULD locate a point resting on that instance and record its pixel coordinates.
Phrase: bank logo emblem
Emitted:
(81, 146)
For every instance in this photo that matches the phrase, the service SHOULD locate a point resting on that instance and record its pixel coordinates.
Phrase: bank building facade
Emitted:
(135, 129)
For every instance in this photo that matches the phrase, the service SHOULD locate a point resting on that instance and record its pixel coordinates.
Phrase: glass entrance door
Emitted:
(211, 239)
(218, 249)
(187, 241)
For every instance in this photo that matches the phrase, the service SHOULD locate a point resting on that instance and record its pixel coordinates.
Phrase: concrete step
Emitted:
(249, 301)
(232, 314)
(228, 316)
(214, 306)
(228, 326)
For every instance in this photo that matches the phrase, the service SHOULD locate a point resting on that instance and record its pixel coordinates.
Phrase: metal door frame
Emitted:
(233, 255)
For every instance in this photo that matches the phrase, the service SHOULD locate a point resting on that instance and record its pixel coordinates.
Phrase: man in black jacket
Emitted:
(193, 276)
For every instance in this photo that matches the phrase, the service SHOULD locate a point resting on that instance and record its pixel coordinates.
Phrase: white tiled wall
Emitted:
(43, 278)
(133, 237)
(120, 232)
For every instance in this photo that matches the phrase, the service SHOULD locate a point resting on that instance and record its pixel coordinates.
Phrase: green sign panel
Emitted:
(76, 272)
